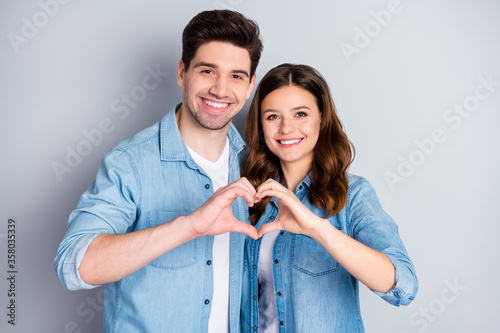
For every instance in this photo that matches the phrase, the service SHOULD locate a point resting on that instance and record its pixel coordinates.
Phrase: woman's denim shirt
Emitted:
(314, 293)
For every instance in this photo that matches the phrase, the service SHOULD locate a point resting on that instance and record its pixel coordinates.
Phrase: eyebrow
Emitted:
(214, 66)
(301, 107)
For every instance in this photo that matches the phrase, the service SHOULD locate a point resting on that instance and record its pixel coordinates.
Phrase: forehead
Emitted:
(287, 98)
(225, 56)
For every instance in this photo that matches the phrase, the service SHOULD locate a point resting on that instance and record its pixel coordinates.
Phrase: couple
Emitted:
(163, 225)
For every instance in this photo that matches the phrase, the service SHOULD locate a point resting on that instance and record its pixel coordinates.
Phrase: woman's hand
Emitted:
(293, 215)
(369, 266)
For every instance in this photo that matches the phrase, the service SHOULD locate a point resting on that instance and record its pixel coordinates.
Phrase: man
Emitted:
(150, 227)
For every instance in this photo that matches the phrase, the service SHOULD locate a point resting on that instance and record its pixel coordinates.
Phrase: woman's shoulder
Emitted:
(356, 181)
(360, 189)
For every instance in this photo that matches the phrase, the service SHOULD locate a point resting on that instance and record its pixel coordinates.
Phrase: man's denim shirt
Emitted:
(148, 180)
(313, 292)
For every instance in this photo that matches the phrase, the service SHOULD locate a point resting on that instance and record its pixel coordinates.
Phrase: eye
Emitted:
(272, 117)
(301, 114)
(206, 71)
(238, 77)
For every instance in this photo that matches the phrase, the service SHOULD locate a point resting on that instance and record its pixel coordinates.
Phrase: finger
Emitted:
(284, 197)
(245, 182)
(272, 185)
(244, 228)
(270, 180)
(231, 192)
(268, 227)
(269, 185)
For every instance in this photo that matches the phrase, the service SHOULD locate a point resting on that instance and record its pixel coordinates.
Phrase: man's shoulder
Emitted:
(147, 142)
(148, 136)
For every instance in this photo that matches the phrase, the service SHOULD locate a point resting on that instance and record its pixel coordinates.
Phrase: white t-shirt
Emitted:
(218, 172)
(268, 317)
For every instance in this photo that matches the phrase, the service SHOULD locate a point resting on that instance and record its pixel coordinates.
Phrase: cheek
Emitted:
(314, 133)
(317, 128)
(241, 91)
(268, 135)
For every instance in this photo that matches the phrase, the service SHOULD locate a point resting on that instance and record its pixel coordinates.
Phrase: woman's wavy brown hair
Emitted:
(333, 152)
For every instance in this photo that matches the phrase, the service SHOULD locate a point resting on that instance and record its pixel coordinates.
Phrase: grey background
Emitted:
(66, 76)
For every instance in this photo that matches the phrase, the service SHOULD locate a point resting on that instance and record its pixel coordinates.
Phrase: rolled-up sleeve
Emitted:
(109, 206)
(371, 225)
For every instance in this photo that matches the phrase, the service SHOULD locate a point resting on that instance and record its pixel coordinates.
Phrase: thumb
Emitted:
(268, 227)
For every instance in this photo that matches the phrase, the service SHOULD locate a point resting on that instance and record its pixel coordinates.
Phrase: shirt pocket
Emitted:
(180, 257)
(309, 257)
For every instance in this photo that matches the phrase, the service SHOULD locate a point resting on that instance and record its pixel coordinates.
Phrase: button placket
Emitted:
(278, 280)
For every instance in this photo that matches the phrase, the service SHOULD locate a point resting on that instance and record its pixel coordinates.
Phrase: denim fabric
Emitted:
(314, 293)
(147, 180)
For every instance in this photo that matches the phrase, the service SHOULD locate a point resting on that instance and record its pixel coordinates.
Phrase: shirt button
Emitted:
(207, 301)
(281, 233)
(281, 323)
(209, 262)
(271, 217)
(207, 186)
(255, 328)
(276, 261)
(254, 298)
(279, 293)
(254, 266)
(300, 187)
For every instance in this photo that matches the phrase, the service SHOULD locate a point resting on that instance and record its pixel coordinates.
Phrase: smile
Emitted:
(289, 142)
(215, 105)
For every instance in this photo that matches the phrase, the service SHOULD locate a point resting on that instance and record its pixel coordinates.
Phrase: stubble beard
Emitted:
(207, 123)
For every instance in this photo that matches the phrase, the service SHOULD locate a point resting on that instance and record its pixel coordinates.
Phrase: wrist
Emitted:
(320, 227)
(182, 227)
(322, 231)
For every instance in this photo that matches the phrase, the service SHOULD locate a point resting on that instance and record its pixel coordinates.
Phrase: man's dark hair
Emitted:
(221, 26)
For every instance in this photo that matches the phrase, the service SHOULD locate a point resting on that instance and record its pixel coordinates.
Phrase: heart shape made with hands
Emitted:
(293, 215)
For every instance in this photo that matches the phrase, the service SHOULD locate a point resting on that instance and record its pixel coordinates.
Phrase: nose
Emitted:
(286, 126)
(220, 88)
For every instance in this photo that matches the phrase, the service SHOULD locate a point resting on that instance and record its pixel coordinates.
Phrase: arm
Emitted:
(369, 224)
(112, 257)
(372, 268)
(98, 246)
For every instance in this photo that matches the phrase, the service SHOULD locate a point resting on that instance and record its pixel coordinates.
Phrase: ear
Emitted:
(180, 74)
(250, 87)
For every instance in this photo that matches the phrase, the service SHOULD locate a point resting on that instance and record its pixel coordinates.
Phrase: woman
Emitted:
(323, 229)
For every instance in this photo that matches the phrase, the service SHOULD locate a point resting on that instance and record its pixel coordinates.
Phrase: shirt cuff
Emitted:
(406, 286)
(71, 275)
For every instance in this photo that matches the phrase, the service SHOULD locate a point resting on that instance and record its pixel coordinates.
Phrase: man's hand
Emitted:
(215, 216)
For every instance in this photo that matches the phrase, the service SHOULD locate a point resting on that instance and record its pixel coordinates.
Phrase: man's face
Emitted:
(216, 85)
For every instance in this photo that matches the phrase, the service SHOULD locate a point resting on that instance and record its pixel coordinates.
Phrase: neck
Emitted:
(294, 173)
(207, 143)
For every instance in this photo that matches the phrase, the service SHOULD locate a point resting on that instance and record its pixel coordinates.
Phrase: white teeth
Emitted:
(215, 105)
(289, 142)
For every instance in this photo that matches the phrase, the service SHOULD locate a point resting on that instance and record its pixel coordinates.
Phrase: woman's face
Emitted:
(291, 122)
